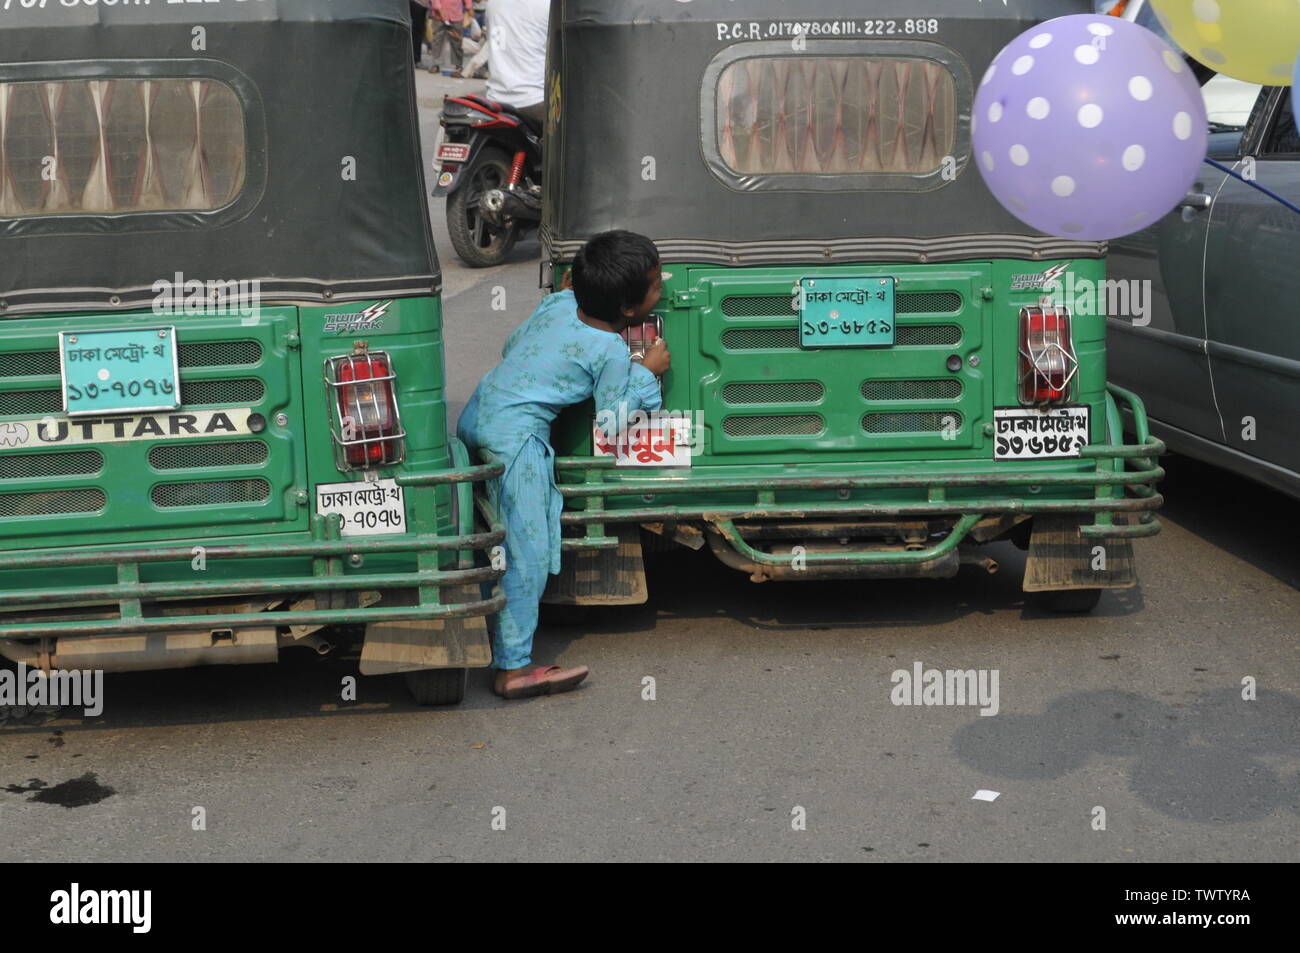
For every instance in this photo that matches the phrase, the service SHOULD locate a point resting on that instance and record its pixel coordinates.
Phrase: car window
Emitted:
(1228, 105)
(1283, 138)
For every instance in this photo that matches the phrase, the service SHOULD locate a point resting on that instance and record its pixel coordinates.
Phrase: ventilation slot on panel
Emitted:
(30, 364)
(929, 421)
(35, 466)
(247, 390)
(791, 425)
(196, 456)
(782, 306)
(219, 353)
(921, 335)
(773, 392)
(757, 339)
(208, 494)
(935, 389)
(51, 502)
(31, 402)
(927, 302)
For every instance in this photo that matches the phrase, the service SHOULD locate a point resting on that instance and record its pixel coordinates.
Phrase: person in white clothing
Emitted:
(517, 61)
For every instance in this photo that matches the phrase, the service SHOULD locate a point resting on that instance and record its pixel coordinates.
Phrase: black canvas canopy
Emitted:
(302, 114)
(641, 134)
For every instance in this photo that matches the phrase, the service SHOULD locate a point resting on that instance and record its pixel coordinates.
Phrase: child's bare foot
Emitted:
(540, 680)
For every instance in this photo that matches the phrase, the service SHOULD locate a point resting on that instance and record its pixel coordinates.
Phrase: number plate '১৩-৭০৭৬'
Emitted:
(119, 372)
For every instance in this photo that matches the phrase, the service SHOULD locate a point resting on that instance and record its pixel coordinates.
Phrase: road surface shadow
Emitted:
(1237, 515)
(1218, 760)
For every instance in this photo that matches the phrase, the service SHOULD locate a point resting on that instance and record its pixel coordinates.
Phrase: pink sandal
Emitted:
(543, 680)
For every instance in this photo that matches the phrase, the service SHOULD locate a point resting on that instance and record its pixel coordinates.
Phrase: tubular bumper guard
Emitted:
(327, 549)
(1122, 480)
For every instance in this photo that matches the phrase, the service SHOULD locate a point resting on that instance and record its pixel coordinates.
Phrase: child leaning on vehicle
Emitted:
(568, 351)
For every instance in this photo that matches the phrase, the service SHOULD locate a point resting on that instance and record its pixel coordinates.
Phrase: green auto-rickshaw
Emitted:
(223, 428)
(868, 378)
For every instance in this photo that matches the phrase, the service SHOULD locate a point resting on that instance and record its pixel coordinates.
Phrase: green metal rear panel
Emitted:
(278, 358)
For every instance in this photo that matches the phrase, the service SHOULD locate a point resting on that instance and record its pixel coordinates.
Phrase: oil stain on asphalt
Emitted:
(77, 792)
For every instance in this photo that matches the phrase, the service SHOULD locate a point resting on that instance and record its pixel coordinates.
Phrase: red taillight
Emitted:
(368, 429)
(640, 337)
(1047, 361)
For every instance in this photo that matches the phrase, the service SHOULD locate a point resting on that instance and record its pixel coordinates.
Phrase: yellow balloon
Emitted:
(1252, 40)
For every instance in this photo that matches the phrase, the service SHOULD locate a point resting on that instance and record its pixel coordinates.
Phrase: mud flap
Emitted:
(392, 647)
(1059, 558)
(602, 577)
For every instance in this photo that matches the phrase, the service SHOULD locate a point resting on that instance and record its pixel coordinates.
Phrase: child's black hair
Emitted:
(612, 272)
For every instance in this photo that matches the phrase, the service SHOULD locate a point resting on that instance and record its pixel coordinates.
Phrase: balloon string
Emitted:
(1254, 185)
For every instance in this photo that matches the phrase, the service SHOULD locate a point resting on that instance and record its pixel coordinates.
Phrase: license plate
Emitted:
(1028, 433)
(846, 312)
(652, 439)
(119, 372)
(372, 508)
(453, 151)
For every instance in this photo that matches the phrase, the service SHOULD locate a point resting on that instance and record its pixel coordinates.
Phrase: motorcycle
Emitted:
(490, 165)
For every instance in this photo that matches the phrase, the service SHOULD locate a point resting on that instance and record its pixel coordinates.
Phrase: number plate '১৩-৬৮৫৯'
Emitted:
(846, 312)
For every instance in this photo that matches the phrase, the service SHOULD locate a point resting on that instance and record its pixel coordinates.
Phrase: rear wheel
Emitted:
(563, 614)
(438, 686)
(1071, 600)
(477, 243)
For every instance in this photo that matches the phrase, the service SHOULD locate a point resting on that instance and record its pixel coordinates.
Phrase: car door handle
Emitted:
(1196, 200)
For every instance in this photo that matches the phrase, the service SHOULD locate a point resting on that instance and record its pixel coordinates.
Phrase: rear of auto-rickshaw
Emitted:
(868, 380)
(222, 422)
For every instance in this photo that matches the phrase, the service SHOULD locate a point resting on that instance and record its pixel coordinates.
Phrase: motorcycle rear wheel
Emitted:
(478, 244)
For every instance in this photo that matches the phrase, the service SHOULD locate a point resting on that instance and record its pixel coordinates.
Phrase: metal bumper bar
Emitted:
(328, 550)
(1121, 479)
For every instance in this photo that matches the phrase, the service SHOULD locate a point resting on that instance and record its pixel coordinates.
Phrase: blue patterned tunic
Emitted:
(550, 361)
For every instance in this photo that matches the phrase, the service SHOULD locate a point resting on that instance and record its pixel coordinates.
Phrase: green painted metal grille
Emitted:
(784, 425)
(208, 494)
(938, 388)
(905, 335)
(182, 456)
(198, 354)
(773, 392)
(29, 364)
(52, 502)
(756, 339)
(31, 402)
(34, 466)
(780, 306)
(219, 353)
(929, 421)
(248, 390)
(921, 335)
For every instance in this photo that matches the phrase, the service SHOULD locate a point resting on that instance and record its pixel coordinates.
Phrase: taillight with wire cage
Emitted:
(1048, 366)
(365, 421)
(641, 337)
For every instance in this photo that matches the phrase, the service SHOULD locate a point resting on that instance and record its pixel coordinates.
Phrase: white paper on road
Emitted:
(982, 795)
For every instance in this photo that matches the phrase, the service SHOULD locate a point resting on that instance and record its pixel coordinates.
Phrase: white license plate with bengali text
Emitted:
(1031, 433)
(376, 508)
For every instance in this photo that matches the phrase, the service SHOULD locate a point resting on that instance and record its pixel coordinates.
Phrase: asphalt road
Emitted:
(771, 735)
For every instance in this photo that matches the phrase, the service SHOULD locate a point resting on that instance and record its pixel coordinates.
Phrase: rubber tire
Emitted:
(1071, 600)
(493, 165)
(562, 615)
(438, 686)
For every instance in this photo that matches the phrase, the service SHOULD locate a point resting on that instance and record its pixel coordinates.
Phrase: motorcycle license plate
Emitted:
(453, 151)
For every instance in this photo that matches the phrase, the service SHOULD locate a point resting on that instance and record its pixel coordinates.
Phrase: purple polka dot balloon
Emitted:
(1089, 127)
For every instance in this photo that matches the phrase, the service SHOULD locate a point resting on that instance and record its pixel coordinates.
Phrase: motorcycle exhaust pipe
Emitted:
(503, 203)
